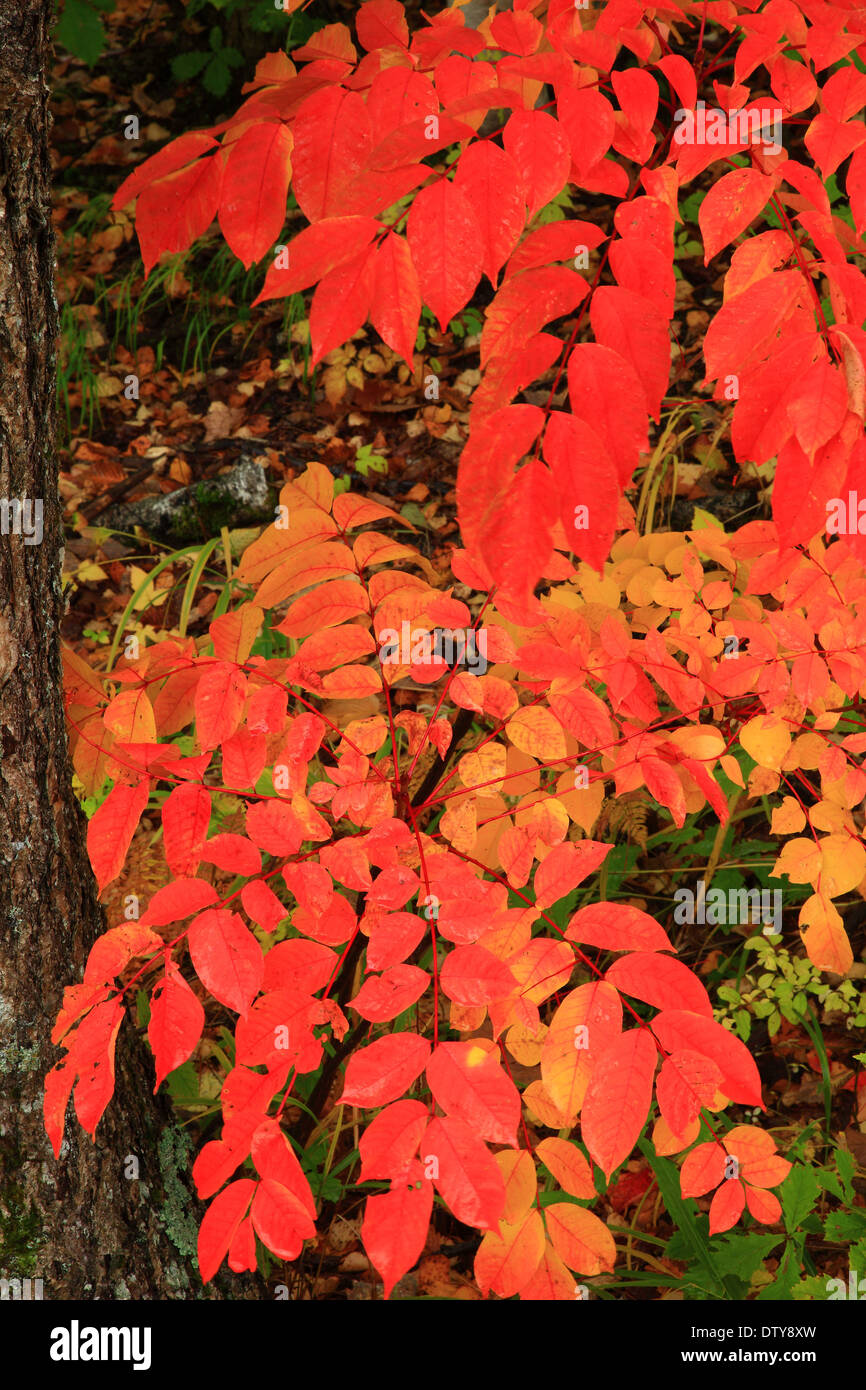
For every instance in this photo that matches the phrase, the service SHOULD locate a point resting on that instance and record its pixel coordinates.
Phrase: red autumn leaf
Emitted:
(168, 160)
(177, 900)
(58, 1088)
(617, 927)
(726, 1207)
(618, 1100)
(111, 828)
(383, 997)
(113, 951)
(446, 244)
(332, 140)
(176, 1023)
(390, 1141)
(262, 905)
(633, 327)
(467, 1081)
(763, 1206)
(341, 304)
(220, 1222)
(393, 937)
(173, 211)
(382, 1071)
(753, 318)
(274, 827)
(660, 981)
(275, 1158)
(91, 1051)
(487, 465)
(254, 189)
(605, 390)
(395, 308)
(185, 818)
(227, 958)
(541, 153)
(304, 965)
(491, 180)
(472, 975)
(396, 1223)
(676, 1028)
(818, 409)
(382, 24)
(234, 854)
(730, 206)
(686, 1083)
(464, 1172)
(280, 1219)
(589, 122)
(527, 302)
(587, 486)
(558, 241)
(704, 1169)
(315, 252)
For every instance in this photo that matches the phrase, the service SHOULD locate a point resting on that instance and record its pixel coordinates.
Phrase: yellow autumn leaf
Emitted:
(701, 741)
(787, 818)
(459, 825)
(547, 820)
(807, 751)
(767, 740)
(484, 768)
(824, 935)
(665, 1142)
(525, 1044)
(88, 572)
(639, 588)
(732, 769)
(800, 861)
(583, 804)
(543, 1109)
(466, 1018)
(763, 781)
(520, 1179)
(508, 1257)
(830, 817)
(129, 716)
(535, 731)
(843, 864)
(585, 1023)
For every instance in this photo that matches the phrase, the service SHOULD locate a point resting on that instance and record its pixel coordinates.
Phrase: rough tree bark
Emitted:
(79, 1224)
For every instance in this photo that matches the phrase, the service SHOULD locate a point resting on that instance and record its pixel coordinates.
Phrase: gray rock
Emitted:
(240, 497)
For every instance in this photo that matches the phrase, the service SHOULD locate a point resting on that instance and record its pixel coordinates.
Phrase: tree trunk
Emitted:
(80, 1225)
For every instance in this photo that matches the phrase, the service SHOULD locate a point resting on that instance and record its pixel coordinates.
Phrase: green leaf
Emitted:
(81, 31)
(217, 76)
(780, 1288)
(742, 1253)
(846, 1167)
(188, 65)
(798, 1193)
(183, 1084)
(845, 1226)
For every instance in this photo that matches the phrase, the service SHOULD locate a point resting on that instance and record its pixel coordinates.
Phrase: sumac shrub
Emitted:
(397, 882)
